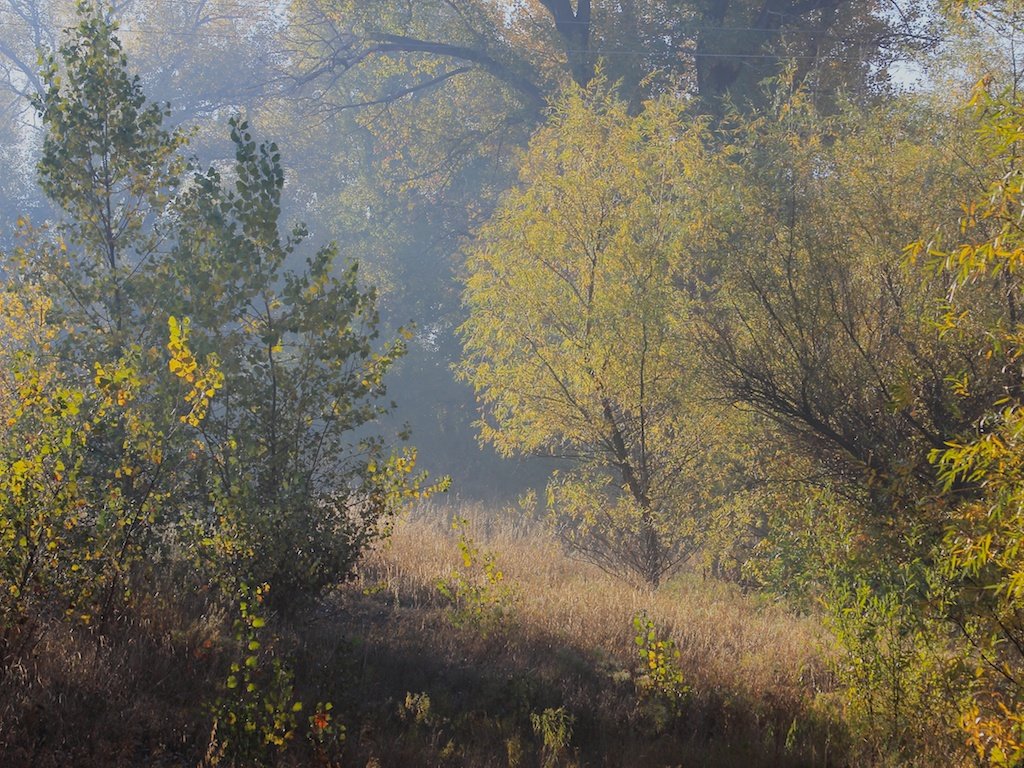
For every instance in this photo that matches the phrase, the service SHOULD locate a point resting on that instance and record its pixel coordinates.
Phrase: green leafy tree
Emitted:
(303, 374)
(111, 167)
(276, 483)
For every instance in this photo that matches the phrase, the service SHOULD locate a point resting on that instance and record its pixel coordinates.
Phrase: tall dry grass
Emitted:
(761, 692)
(737, 641)
(413, 689)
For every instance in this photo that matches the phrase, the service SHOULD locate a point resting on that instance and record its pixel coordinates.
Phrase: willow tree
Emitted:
(813, 320)
(982, 554)
(575, 340)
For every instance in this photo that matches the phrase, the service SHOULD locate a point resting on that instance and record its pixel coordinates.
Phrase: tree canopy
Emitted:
(576, 337)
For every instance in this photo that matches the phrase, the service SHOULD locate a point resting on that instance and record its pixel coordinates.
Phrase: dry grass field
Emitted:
(537, 667)
(758, 685)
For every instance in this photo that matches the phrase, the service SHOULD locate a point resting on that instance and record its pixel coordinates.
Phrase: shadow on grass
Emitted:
(420, 692)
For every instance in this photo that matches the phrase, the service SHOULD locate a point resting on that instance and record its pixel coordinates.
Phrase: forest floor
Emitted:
(539, 666)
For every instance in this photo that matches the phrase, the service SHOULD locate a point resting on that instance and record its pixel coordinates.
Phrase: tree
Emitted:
(982, 470)
(874, 368)
(576, 339)
(276, 469)
(110, 165)
(536, 45)
(442, 97)
(809, 316)
(294, 467)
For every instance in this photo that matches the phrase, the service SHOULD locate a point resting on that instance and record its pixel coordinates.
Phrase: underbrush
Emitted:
(550, 666)
(133, 693)
(758, 686)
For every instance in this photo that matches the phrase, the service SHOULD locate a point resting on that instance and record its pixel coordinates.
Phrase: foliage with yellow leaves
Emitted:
(70, 533)
(983, 472)
(577, 339)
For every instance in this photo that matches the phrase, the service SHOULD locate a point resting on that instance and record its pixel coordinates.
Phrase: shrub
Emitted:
(902, 678)
(554, 728)
(659, 676)
(476, 591)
